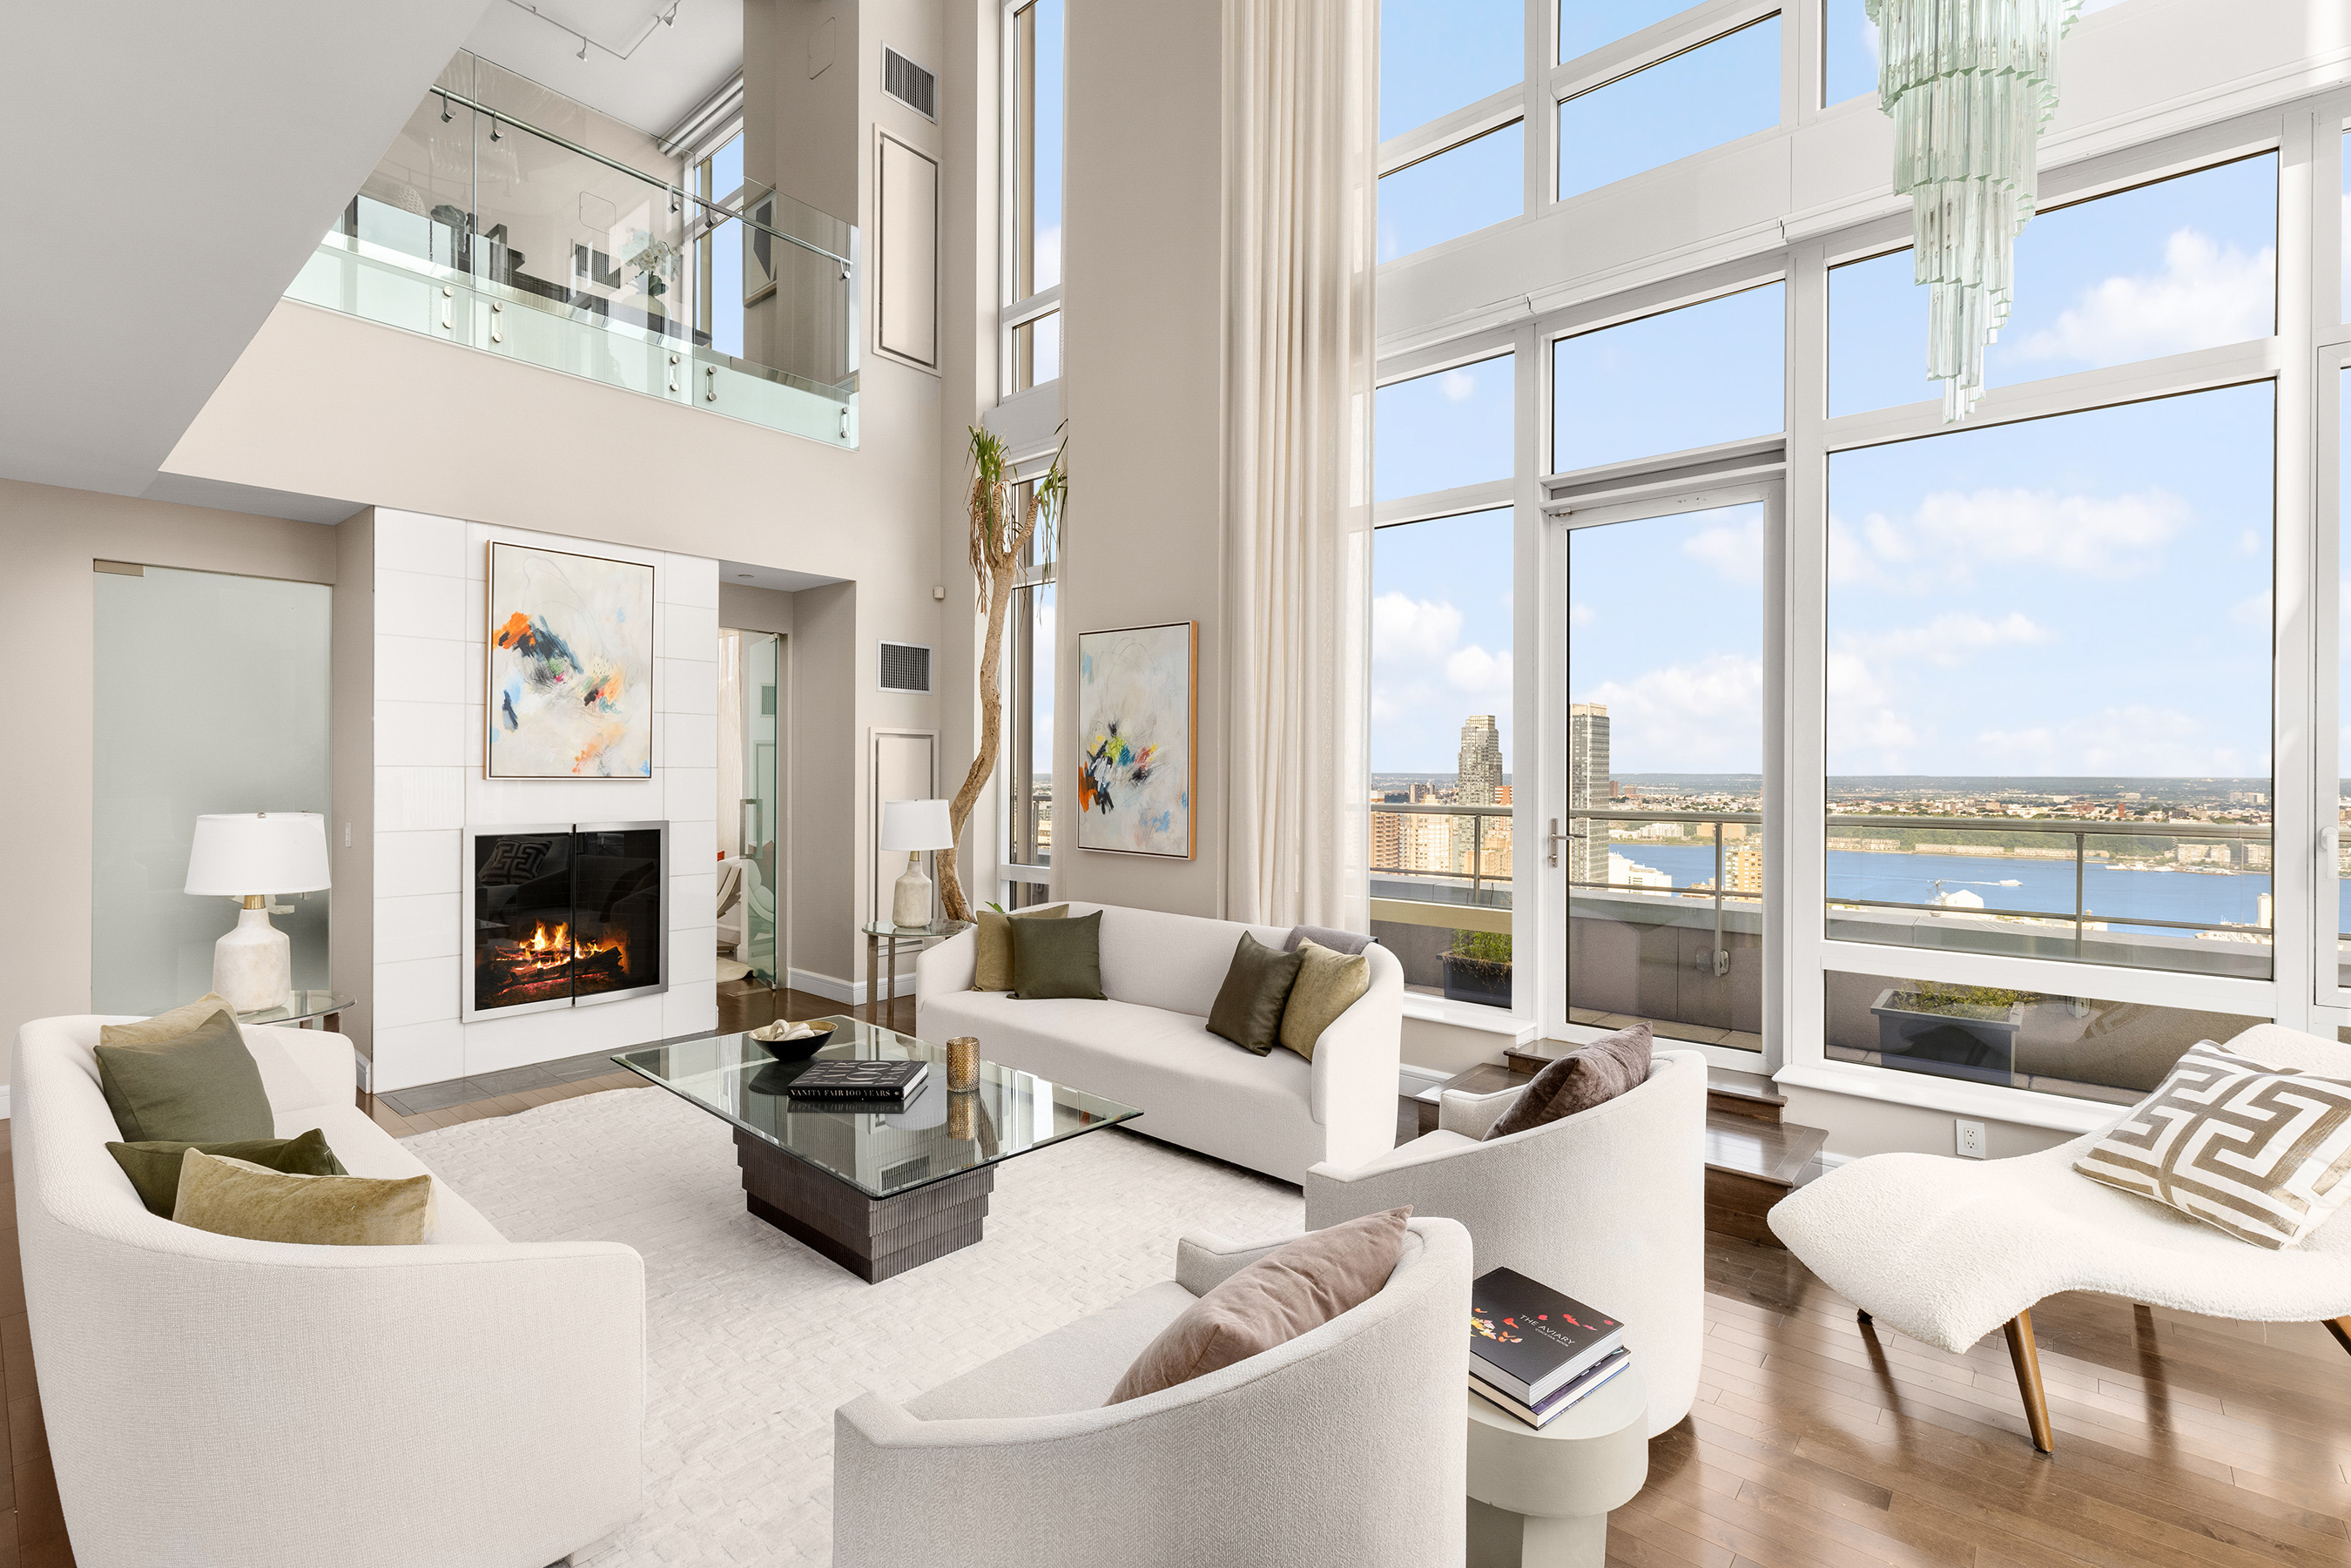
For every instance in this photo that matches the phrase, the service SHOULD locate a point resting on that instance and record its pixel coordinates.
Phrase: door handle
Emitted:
(1551, 841)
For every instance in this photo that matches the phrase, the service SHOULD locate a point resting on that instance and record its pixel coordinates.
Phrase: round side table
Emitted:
(1540, 1498)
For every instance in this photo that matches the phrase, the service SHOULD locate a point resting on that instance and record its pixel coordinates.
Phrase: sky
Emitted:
(1438, 56)
(1991, 590)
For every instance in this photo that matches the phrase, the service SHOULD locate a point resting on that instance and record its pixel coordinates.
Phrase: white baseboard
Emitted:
(848, 993)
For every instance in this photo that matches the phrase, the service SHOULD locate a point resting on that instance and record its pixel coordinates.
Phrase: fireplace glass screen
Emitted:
(565, 914)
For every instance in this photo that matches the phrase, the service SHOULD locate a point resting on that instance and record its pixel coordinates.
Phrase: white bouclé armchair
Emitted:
(1342, 1448)
(1608, 1205)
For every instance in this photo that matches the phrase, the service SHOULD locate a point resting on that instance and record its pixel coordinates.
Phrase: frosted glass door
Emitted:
(211, 695)
(762, 802)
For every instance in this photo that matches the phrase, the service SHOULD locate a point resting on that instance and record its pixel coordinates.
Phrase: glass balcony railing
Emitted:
(1441, 897)
(566, 250)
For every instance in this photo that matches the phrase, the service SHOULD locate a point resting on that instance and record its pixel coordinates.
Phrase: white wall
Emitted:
(428, 721)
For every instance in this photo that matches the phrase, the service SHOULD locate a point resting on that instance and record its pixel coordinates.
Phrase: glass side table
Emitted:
(881, 931)
(305, 1010)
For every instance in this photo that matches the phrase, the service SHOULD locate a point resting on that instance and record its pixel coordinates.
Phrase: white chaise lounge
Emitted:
(472, 1402)
(1148, 1044)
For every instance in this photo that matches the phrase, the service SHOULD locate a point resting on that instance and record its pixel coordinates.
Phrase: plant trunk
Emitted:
(991, 722)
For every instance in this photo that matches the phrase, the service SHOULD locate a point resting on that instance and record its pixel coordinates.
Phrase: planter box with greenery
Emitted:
(1953, 1031)
(1478, 968)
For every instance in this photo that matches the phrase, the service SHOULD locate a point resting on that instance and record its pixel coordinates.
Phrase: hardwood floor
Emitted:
(1815, 1442)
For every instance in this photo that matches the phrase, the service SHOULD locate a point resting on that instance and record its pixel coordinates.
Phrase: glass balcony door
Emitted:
(1661, 845)
(751, 836)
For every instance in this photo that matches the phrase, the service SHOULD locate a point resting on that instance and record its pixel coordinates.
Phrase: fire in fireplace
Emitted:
(565, 914)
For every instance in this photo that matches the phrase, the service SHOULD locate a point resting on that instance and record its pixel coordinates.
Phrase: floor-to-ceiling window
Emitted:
(1908, 758)
(1034, 100)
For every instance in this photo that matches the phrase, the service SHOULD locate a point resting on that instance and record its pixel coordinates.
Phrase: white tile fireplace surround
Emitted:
(430, 669)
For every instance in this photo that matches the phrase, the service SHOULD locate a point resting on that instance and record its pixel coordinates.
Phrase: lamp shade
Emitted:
(915, 825)
(243, 853)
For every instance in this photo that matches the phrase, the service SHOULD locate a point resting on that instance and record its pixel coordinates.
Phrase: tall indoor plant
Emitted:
(999, 540)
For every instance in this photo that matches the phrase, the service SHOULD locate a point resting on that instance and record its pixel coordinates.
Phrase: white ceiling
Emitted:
(220, 144)
(741, 574)
(670, 69)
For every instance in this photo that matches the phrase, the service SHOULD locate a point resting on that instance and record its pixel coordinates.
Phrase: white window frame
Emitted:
(1013, 313)
(1011, 874)
(2301, 361)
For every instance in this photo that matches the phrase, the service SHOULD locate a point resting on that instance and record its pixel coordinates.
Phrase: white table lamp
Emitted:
(251, 855)
(914, 826)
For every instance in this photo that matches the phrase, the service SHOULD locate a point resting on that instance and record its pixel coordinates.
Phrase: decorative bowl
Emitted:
(783, 1049)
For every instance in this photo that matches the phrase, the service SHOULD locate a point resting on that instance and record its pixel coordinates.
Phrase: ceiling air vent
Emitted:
(905, 667)
(910, 83)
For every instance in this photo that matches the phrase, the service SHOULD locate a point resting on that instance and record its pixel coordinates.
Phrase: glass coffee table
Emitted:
(876, 1193)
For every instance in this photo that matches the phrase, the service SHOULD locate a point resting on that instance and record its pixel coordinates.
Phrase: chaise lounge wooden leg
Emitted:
(2341, 1329)
(2027, 1359)
(1862, 1313)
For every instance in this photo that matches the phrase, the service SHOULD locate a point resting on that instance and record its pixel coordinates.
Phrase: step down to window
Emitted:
(1751, 1165)
(1749, 1094)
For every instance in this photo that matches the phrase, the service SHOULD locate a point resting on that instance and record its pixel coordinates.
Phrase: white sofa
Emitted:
(1342, 1448)
(471, 1402)
(1608, 1205)
(1148, 1044)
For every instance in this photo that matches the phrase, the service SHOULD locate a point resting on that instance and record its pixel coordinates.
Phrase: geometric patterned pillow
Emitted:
(2257, 1151)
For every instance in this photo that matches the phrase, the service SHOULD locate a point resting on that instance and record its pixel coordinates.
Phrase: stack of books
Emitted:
(863, 1085)
(1534, 1352)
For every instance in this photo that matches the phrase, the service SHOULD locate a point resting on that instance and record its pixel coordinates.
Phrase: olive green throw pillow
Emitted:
(1328, 984)
(200, 1087)
(1056, 957)
(1248, 1010)
(154, 1168)
(237, 1197)
(991, 968)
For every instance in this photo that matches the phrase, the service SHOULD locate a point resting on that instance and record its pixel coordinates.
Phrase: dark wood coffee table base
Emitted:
(872, 1238)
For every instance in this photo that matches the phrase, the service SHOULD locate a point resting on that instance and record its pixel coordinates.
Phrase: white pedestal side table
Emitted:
(1540, 1498)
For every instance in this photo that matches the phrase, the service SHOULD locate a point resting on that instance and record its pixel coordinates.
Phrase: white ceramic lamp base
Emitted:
(252, 966)
(910, 904)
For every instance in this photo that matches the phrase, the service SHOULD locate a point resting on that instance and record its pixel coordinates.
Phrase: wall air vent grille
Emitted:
(910, 83)
(905, 667)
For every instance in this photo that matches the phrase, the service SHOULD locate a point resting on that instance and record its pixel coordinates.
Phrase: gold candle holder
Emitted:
(963, 1115)
(963, 1062)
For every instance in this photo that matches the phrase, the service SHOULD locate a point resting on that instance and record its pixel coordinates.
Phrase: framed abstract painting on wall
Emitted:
(570, 662)
(1138, 724)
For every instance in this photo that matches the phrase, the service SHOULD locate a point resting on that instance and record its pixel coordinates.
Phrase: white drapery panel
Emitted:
(1301, 183)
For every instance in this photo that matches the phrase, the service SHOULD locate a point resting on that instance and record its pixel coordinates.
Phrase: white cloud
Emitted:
(1734, 550)
(2100, 536)
(1580, 613)
(1414, 632)
(1945, 640)
(2204, 295)
(1459, 386)
(2136, 739)
(1473, 672)
(1870, 734)
(1701, 717)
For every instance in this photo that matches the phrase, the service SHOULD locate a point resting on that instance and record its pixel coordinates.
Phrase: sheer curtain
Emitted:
(1300, 181)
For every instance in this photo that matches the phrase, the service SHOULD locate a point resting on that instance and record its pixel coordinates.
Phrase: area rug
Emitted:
(752, 1339)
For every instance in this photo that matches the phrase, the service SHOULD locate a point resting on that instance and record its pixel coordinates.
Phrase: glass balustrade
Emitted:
(566, 240)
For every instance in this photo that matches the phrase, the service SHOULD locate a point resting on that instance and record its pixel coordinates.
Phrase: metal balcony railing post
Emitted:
(2080, 854)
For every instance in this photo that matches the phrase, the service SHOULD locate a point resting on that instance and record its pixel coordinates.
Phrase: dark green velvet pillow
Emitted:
(200, 1087)
(1257, 987)
(1056, 957)
(154, 1167)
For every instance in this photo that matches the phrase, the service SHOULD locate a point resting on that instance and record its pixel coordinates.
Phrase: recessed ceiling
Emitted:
(234, 142)
(741, 574)
(638, 69)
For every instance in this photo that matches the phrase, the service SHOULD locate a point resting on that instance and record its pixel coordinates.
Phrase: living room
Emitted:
(779, 805)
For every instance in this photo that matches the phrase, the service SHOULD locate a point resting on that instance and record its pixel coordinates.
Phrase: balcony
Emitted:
(584, 251)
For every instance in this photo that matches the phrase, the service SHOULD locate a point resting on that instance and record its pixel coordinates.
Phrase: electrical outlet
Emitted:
(1971, 1140)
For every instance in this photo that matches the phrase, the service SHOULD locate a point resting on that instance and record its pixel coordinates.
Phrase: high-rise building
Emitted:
(1477, 778)
(1587, 790)
(1387, 840)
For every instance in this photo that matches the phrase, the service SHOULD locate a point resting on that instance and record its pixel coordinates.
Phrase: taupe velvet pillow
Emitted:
(1592, 1074)
(991, 968)
(200, 1087)
(1284, 1294)
(237, 1197)
(154, 1167)
(1328, 984)
(165, 1026)
(1058, 958)
(1249, 1005)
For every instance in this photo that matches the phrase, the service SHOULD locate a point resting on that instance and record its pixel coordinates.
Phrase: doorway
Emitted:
(753, 870)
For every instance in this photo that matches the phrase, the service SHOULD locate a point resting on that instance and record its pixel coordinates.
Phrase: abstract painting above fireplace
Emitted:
(565, 914)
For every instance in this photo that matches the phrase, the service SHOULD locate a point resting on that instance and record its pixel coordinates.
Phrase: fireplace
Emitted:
(564, 914)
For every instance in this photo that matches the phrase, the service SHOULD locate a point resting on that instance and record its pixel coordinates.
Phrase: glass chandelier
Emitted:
(1970, 84)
